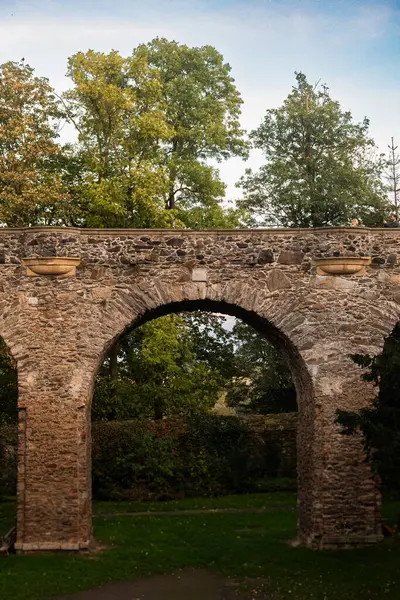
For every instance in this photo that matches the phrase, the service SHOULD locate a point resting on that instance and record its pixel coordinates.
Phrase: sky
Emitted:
(352, 46)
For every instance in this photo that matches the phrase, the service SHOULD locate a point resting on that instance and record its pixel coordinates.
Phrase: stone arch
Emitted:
(149, 300)
(337, 495)
(325, 457)
(59, 327)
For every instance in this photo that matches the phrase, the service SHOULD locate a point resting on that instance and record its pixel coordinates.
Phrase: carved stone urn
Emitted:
(341, 265)
(51, 265)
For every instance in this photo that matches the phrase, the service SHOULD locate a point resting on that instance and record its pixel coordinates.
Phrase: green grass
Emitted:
(252, 548)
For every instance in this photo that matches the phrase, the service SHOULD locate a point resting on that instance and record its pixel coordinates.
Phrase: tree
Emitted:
(212, 342)
(379, 423)
(262, 381)
(202, 107)
(116, 171)
(159, 375)
(147, 126)
(393, 175)
(321, 168)
(31, 190)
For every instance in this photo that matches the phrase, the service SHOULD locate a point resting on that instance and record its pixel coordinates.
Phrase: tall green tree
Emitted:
(115, 170)
(159, 374)
(31, 189)
(202, 107)
(321, 167)
(261, 380)
(212, 341)
(148, 126)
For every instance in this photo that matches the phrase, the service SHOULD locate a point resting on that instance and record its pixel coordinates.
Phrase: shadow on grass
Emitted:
(249, 547)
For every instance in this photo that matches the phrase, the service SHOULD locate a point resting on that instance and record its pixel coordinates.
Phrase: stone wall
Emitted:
(59, 329)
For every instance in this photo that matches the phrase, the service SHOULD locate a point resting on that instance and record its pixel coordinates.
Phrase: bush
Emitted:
(205, 455)
(8, 460)
(133, 459)
(217, 453)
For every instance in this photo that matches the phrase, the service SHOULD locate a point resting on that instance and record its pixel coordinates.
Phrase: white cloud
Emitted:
(264, 43)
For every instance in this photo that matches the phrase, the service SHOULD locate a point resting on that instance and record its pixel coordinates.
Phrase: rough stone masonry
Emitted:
(59, 328)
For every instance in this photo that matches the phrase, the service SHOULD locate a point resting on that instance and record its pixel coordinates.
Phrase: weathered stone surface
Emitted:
(265, 257)
(59, 328)
(383, 276)
(289, 257)
(199, 275)
(175, 242)
(328, 282)
(277, 280)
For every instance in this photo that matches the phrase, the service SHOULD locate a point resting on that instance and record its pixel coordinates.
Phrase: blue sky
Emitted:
(353, 46)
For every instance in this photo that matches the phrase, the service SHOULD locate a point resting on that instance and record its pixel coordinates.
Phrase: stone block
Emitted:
(277, 280)
(328, 282)
(199, 275)
(291, 257)
(265, 257)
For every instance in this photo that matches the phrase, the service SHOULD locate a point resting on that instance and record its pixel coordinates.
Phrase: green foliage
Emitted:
(181, 364)
(320, 168)
(8, 421)
(31, 190)
(8, 459)
(212, 343)
(117, 173)
(159, 374)
(261, 381)
(8, 386)
(202, 107)
(136, 458)
(218, 453)
(147, 126)
(380, 423)
(200, 455)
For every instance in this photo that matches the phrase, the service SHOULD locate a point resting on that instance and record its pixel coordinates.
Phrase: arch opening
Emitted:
(281, 342)
(266, 328)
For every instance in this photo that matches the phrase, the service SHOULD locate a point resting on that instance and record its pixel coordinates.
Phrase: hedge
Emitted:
(204, 455)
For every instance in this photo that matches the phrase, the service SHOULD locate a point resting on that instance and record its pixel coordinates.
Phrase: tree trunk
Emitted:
(113, 354)
(158, 409)
(170, 203)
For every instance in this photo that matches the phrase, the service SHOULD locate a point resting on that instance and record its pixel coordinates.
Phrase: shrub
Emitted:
(8, 460)
(204, 455)
(133, 459)
(217, 452)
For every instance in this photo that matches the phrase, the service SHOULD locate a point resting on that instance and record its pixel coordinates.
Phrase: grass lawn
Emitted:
(249, 547)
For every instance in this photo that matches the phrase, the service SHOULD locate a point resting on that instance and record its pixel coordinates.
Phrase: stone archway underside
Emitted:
(59, 328)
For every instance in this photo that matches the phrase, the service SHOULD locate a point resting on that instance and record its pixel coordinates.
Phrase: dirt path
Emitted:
(192, 511)
(189, 584)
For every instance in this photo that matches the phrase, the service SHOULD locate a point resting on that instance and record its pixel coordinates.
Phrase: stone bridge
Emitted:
(59, 324)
